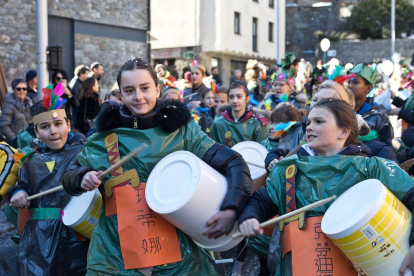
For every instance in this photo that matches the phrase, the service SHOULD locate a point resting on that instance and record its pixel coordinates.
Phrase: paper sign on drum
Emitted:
(371, 227)
(187, 192)
(255, 152)
(82, 212)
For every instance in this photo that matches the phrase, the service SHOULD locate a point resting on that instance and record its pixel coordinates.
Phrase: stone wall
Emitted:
(125, 13)
(18, 33)
(17, 38)
(113, 53)
(301, 24)
(369, 50)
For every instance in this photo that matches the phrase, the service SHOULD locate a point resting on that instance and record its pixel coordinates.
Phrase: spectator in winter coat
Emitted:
(89, 105)
(16, 113)
(31, 81)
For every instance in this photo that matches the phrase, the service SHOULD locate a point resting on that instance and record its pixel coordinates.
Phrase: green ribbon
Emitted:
(44, 213)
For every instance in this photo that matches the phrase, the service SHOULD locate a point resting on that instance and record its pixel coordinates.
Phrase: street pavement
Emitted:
(8, 249)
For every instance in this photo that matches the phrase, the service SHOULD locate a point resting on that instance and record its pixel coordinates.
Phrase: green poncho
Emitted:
(319, 177)
(230, 133)
(104, 257)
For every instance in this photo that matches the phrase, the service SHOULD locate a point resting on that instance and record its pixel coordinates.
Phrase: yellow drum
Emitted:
(371, 227)
(82, 212)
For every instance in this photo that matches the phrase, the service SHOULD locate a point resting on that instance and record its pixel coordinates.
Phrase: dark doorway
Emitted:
(61, 32)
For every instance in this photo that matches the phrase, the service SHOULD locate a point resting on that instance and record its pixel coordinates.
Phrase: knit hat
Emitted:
(31, 74)
(369, 73)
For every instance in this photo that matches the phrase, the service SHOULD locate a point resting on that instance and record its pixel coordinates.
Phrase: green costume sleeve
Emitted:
(196, 141)
(391, 175)
(217, 131)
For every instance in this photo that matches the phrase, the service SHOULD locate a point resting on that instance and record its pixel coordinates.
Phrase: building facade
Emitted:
(223, 34)
(105, 31)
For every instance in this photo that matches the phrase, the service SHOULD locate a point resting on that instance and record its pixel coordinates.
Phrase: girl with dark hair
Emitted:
(71, 101)
(89, 105)
(238, 123)
(165, 127)
(332, 162)
(16, 112)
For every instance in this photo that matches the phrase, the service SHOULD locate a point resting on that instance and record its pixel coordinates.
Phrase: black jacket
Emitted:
(221, 158)
(88, 110)
(32, 95)
(405, 114)
(381, 149)
(377, 120)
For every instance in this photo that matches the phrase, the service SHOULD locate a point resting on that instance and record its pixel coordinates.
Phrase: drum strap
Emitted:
(290, 174)
(45, 213)
(119, 177)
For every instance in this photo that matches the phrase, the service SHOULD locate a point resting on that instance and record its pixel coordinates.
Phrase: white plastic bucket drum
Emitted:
(255, 152)
(187, 192)
(82, 212)
(371, 227)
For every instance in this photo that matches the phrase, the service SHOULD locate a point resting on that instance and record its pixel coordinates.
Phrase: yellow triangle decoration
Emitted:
(51, 165)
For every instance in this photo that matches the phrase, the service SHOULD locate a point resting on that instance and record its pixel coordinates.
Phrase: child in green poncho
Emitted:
(238, 123)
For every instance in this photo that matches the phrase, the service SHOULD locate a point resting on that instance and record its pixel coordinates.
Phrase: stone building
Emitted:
(217, 33)
(107, 31)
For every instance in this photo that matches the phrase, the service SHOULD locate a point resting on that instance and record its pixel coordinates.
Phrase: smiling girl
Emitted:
(238, 123)
(165, 127)
(328, 165)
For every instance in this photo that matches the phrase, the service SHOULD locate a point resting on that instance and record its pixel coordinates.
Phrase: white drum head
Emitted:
(353, 209)
(255, 152)
(173, 182)
(77, 207)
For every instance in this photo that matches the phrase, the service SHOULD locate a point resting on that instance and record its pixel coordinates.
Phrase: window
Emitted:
(254, 34)
(271, 3)
(237, 23)
(270, 31)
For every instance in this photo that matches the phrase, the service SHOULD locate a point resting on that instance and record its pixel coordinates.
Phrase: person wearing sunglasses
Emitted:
(16, 112)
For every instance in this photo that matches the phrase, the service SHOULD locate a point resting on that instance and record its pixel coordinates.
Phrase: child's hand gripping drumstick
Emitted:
(251, 232)
(99, 177)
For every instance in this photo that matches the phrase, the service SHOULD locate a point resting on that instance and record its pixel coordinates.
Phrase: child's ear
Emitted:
(35, 130)
(69, 126)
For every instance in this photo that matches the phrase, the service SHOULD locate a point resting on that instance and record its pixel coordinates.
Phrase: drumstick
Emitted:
(102, 175)
(188, 96)
(255, 164)
(291, 214)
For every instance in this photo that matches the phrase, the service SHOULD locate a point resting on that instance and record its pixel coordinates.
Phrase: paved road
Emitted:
(8, 250)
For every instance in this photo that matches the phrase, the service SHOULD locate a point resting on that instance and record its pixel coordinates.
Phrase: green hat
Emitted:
(288, 60)
(369, 73)
(285, 76)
